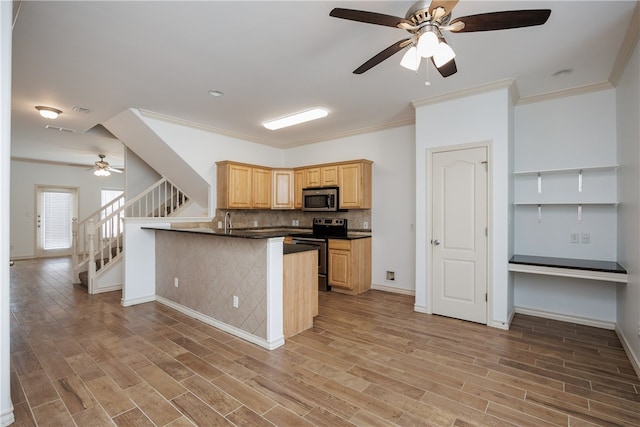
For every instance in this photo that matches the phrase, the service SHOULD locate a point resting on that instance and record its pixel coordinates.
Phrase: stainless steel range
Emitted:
(323, 230)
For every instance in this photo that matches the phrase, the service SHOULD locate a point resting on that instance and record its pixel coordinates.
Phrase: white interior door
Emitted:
(56, 207)
(459, 233)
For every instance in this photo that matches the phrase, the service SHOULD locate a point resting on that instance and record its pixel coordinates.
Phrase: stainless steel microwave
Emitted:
(320, 199)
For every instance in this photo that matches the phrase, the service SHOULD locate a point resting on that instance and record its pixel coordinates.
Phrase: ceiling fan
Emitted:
(425, 21)
(102, 168)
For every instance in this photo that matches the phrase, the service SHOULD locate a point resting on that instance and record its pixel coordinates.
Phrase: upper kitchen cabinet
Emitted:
(329, 175)
(354, 180)
(242, 186)
(282, 181)
(298, 185)
(312, 177)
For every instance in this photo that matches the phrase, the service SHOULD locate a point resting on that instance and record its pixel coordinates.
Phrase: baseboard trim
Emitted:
(136, 301)
(269, 345)
(420, 309)
(7, 418)
(567, 318)
(107, 289)
(635, 362)
(393, 289)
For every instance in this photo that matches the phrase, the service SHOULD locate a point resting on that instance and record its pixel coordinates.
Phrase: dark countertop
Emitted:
(249, 233)
(577, 264)
(290, 248)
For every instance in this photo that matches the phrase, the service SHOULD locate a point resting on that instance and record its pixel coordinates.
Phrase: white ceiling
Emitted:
(271, 58)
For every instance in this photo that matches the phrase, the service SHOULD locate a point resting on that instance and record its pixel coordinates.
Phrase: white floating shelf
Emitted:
(567, 170)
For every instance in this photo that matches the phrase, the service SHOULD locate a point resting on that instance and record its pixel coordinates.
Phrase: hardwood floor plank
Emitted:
(198, 412)
(52, 414)
(154, 406)
(74, 394)
(249, 397)
(211, 395)
(162, 382)
(110, 396)
(134, 418)
(282, 417)
(38, 388)
(199, 366)
(245, 417)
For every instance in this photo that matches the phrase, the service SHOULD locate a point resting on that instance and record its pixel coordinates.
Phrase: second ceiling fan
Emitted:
(425, 21)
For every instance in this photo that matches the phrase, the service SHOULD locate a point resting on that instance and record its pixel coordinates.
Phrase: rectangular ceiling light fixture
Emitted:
(296, 118)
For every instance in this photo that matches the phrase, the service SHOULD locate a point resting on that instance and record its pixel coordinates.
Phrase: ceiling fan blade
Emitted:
(370, 17)
(110, 169)
(447, 5)
(381, 56)
(502, 20)
(447, 69)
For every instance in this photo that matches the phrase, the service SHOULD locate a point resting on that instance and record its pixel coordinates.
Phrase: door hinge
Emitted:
(486, 164)
(486, 297)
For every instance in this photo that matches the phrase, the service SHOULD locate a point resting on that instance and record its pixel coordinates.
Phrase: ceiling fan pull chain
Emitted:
(428, 83)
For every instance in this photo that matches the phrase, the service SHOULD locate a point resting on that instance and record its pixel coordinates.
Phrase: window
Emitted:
(112, 227)
(56, 207)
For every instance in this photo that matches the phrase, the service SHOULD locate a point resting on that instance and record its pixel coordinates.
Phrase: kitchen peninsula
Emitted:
(248, 283)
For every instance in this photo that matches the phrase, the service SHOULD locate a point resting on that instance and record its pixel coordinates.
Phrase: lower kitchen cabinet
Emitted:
(350, 265)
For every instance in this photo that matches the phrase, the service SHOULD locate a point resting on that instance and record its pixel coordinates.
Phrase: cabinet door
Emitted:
(350, 179)
(261, 188)
(282, 192)
(298, 183)
(340, 268)
(312, 177)
(239, 191)
(329, 175)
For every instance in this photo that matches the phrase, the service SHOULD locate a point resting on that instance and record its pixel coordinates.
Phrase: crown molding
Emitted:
(579, 90)
(490, 87)
(628, 45)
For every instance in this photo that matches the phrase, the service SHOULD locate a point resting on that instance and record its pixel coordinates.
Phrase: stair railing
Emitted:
(99, 239)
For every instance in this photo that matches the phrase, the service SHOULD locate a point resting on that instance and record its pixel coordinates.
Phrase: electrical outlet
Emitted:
(391, 276)
(255, 223)
(236, 301)
(293, 222)
(175, 282)
(575, 237)
(365, 225)
(219, 224)
(586, 238)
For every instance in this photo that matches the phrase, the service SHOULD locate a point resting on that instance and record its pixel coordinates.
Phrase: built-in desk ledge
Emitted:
(609, 271)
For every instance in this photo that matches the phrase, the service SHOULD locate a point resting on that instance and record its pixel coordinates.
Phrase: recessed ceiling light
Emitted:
(216, 93)
(562, 73)
(48, 112)
(297, 118)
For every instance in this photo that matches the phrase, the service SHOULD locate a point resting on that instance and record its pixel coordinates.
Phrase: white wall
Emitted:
(24, 178)
(628, 298)
(6, 408)
(393, 205)
(139, 176)
(201, 149)
(478, 118)
(571, 132)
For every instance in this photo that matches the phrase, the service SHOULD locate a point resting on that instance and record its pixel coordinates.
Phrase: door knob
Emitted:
(435, 242)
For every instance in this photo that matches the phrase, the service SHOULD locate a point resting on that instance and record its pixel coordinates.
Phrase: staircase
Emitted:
(98, 240)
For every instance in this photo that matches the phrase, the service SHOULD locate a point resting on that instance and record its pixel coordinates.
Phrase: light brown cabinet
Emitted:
(282, 181)
(298, 185)
(312, 177)
(354, 180)
(242, 186)
(350, 265)
(329, 175)
(300, 291)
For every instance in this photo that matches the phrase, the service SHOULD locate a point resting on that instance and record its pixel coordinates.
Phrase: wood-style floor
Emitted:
(370, 360)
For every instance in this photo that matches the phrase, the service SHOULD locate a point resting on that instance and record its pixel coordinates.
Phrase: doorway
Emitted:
(459, 233)
(55, 209)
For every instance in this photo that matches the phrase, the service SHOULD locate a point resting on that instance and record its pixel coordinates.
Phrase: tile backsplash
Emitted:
(357, 220)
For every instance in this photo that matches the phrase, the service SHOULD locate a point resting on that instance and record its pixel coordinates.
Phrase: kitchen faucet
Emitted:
(227, 220)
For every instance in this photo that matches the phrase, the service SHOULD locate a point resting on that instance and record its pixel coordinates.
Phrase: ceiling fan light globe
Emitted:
(101, 172)
(443, 54)
(411, 59)
(428, 44)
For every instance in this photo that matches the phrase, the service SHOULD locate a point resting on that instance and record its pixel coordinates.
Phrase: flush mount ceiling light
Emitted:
(101, 172)
(48, 112)
(216, 93)
(562, 73)
(297, 118)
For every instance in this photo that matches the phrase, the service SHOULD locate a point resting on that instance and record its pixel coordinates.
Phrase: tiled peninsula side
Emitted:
(211, 270)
